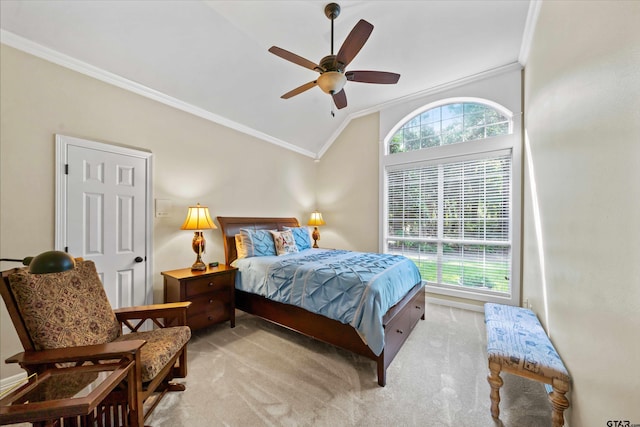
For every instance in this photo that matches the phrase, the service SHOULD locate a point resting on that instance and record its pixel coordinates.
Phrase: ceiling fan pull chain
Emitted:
(331, 107)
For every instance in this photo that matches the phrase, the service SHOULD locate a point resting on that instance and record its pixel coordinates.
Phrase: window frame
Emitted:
(509, 143)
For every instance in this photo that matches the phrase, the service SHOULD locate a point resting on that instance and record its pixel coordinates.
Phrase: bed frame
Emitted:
(398, 322)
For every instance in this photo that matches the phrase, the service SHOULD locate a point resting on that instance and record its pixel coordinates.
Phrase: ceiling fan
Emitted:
(332, 67)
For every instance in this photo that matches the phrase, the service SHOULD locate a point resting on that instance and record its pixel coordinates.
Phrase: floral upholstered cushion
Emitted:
(65, 309)
(161, 346)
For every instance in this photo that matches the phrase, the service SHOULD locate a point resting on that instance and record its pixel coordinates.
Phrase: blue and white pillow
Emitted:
(301, 236)
(257, 242)
(284, 241)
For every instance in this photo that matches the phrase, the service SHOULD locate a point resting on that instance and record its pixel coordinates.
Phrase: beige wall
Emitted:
(193, 161)
(582, 255)
(347, 188)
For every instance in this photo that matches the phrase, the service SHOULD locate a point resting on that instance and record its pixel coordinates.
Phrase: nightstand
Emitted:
(211, 292)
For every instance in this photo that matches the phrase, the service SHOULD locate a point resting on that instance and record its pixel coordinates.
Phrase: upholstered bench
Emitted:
(517, 344)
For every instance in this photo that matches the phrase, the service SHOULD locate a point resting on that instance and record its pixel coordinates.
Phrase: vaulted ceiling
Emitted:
(210, 58)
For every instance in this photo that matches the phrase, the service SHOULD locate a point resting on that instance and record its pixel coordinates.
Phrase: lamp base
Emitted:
(198, 245)
(316, 236)
(199, 265)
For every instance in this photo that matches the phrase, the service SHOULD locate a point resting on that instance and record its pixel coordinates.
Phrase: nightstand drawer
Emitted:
(206, 303)
(216, 313)
(209, 284)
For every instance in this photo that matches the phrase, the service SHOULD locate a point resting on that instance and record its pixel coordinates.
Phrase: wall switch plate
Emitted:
(163, 208)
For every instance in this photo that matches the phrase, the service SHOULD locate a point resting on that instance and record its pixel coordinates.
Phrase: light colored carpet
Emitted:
(259, 374)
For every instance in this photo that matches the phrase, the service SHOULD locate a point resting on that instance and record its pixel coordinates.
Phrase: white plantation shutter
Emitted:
(453, 219)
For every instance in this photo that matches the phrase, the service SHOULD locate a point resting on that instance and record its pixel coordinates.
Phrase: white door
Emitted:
(104, 199)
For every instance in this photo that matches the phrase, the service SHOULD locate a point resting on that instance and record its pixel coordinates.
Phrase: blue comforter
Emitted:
(354, 288)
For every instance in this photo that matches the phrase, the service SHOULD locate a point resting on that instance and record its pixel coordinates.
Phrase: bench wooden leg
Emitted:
(559, 401)
(495, 382)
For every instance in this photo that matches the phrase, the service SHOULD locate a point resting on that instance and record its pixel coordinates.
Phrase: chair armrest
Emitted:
(107, 351)
(162, 315)
(155, 310)
(152, 311)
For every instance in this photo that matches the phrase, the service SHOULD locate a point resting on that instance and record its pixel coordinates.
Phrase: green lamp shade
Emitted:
(51, 262)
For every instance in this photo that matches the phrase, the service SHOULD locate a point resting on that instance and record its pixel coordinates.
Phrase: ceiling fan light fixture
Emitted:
(333, 75)
(332, 81)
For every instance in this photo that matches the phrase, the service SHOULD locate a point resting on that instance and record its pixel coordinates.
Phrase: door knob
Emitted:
(138, 259)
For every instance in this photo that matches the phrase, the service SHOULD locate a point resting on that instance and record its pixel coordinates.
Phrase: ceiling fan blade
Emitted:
(299, 89)
(296, 59)
(354, 42)
(340, 99)
(379, 77)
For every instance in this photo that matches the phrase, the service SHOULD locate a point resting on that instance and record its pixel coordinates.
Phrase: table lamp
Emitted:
(198, 219)
(47, 262)
(316, 220)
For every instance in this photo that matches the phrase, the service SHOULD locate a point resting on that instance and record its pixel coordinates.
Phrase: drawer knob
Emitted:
(400, 331)
(210, 283)
(210, 318)
(418, 307)
(210, 301)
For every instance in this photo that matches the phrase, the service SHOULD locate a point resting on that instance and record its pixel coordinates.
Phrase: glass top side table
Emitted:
(62, 393)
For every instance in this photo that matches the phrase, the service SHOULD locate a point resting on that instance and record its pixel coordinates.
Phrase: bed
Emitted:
(397, 322)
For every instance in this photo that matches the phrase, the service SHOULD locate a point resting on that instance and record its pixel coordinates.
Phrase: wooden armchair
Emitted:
(65, 318)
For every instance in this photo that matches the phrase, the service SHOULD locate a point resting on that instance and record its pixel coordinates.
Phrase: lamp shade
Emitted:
(198, 218)
(316, 219)
(51, 262)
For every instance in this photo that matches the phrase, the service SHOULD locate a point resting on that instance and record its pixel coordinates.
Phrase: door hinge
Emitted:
(66, 169)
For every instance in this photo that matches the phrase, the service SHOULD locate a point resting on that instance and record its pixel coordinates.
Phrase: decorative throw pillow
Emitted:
(257, 242)
(285, 243)
(240, 249)
(301, 236)
(65, 309)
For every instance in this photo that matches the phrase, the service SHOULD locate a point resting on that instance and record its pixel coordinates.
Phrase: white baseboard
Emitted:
(8, 382)
(456, 304)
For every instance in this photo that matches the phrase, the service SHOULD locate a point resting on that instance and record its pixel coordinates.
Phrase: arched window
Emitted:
(449, 124)
(448, 196)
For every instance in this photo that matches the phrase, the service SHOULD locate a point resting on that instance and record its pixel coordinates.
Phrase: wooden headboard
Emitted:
(230, 226)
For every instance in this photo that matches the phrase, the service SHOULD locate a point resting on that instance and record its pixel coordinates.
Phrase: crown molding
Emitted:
(35, 49)
(529, 30)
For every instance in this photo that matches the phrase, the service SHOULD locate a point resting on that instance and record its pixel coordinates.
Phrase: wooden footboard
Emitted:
(398, 323)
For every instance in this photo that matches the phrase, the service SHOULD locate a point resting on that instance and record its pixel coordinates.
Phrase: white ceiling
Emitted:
(210, 57)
